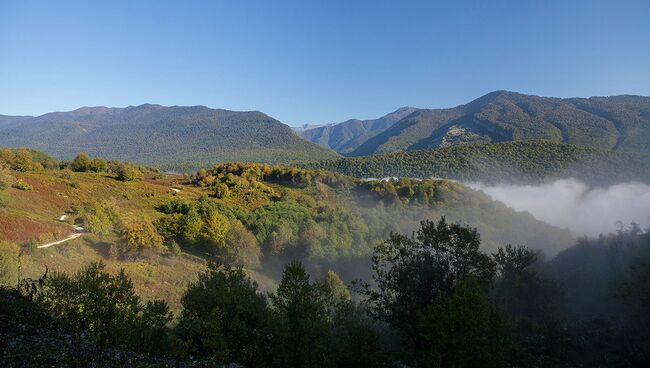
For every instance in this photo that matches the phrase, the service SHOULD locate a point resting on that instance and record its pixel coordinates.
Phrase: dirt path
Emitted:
(78, 231)
(74, 236)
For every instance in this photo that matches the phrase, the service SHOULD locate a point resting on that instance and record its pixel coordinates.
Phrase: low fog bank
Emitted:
(570, 203)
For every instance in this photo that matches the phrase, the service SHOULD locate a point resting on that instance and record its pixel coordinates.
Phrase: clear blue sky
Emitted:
(315, 61)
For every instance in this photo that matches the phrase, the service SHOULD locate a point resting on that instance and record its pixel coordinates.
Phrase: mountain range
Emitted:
(178, 137)
(169, 136)
(610, 123)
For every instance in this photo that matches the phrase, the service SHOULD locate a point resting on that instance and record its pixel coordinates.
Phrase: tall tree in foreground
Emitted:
(531, 303)
(225, 318)
(301, 319)
(105, 307)
(433, 288)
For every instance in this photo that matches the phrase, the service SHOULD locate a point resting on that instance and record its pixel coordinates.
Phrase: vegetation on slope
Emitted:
(252, 215)
(345, 137)
(619, 123)
(435, 299)
(153, 134)
(518, 162)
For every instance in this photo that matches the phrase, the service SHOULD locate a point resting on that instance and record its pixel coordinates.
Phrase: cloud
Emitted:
(570, 203)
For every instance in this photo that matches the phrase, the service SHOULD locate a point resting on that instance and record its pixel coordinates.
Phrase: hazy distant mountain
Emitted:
(155, 134)
(619, 122)
(301, 128)
(345, 137)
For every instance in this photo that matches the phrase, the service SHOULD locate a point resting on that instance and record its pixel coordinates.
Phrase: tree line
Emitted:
(528, 161)
(24, 160)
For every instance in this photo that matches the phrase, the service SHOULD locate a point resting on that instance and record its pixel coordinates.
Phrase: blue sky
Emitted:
(315, 61)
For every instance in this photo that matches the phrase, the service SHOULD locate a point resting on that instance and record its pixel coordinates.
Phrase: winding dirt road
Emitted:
(78, 231)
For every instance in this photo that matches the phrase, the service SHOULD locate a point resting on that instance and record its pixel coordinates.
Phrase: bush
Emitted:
(6, 178)
(174, 247)
(8, 264)
(98, 218)
(81, 163)
(241, 246)
(22, 185)
(141, 234)
(221, 190)
(127, 172)
(98, 165)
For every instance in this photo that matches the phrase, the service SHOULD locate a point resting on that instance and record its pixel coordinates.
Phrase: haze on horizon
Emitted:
(318, 62)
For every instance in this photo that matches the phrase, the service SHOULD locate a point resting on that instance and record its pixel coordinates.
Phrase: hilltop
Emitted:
(172, 137)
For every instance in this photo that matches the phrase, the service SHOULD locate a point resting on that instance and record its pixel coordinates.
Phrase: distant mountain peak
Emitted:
(88, 110)
(146, 106)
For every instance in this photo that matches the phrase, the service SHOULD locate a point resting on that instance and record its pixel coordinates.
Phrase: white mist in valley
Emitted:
(570, 203)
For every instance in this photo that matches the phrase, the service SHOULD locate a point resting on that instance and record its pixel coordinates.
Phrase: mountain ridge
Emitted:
(619, 122)
(614, 122)
(156, 134)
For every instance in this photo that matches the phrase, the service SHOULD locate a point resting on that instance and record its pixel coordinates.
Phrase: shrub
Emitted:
(221, 190)
(6, 178)
(22, 185)
(241, 246)
(174, 247)
(98, 165)
(127, 172)
(8, 264)
(81, 162)
(141, 234)
(98, 218)
(173, 206)
(215, 228)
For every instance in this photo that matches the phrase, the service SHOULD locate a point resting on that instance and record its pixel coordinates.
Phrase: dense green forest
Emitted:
(172, 137)
(433, 299)
(618, 123)
(518, 162)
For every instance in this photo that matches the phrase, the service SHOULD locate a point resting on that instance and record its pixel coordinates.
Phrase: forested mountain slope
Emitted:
(346, 136)
(154, 134)
(514, 162)
(610, 123)
(257, 216)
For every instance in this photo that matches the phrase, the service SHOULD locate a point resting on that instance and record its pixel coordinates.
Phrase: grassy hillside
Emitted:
(345, 137)
(521, 161)
(168, 136)
(257, 216)
(619, 123)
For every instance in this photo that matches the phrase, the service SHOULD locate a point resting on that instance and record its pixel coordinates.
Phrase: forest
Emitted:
(433, 299)
(530, 161)
(277, 266)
